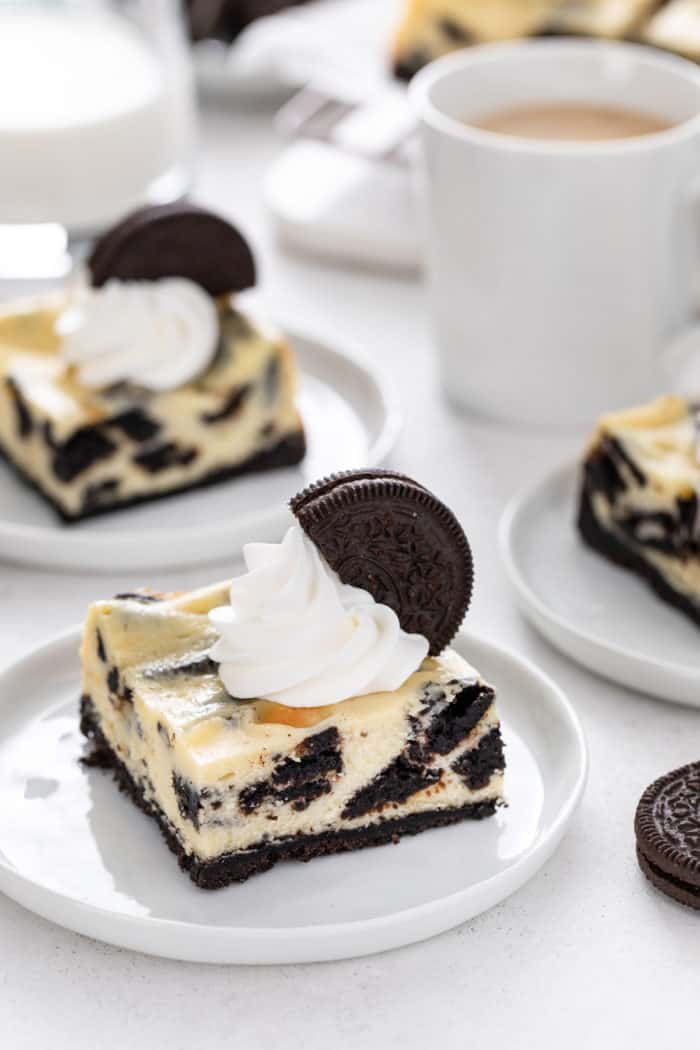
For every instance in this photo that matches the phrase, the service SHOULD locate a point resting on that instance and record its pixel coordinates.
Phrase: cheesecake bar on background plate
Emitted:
(147, 379)
(639, 497)
(431, 28)
(309, 706)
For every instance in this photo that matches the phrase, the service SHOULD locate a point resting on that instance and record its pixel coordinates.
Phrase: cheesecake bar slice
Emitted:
(237, 785)
(88, 450)
(639, 497)
(431, 28)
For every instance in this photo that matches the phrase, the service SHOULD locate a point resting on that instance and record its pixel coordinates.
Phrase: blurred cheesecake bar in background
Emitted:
(146, 378)
(639, 497)
(431, 28)
(226, 19)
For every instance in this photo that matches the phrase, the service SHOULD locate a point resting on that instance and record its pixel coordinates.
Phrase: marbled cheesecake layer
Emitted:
(90, 450)
(228, 777)
(639, 496)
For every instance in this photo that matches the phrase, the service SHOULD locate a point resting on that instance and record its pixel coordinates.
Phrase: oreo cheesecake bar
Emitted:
(288, 714)
(431, 28)
(150, 380)
(639, 497)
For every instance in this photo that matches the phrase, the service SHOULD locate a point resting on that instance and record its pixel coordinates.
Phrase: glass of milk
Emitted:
(97, 116)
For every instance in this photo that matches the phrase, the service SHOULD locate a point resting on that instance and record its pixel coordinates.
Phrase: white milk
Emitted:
(88, 117)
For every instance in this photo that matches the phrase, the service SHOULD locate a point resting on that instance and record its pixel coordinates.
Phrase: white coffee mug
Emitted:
(558, 271)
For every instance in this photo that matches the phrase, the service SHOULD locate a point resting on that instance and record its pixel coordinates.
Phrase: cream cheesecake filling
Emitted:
(226, 772)
(124, 442)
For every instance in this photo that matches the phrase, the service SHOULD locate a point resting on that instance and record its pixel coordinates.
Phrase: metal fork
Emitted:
(379, 126)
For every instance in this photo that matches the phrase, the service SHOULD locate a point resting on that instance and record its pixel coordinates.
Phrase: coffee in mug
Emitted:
(571, 121)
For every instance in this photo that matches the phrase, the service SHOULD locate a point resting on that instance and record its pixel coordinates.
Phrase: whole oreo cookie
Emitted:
(667, 828)
(174, 240)
(384, 532)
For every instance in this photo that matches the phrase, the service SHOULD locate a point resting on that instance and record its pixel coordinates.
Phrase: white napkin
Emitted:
(343, 43)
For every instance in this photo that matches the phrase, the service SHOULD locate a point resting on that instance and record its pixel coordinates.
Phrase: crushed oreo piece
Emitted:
(137, 596)
(302, 777)
(136, 424)
(25, 423)
(189, 801)
(101, 652)
(477, 765)
(84, 448)
(231, 405)
(163, 456)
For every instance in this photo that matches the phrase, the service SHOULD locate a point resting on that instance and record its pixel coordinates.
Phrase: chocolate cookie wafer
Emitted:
(175, 240)
(667, 828)
(381, 531)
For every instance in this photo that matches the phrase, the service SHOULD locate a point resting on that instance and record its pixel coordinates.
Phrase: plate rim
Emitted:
(310, 939)
(269, 517)
(536, 608)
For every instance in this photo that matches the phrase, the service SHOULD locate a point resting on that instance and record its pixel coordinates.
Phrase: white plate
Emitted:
(351, 418)
(605, 617)
(75, 851)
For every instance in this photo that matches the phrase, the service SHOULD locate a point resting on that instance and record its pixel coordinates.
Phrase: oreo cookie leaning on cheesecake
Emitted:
(145, 378)
(311, 705)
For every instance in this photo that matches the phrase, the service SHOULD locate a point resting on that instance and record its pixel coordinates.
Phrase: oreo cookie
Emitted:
(667, 829)
(174, 240)
(384, 532)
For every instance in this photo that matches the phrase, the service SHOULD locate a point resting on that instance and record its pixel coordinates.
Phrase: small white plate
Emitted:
(351, 418)
(604, 617)
(75, 851)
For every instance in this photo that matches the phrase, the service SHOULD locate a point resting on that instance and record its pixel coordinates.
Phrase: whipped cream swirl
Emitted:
(295, 634)
(156, 334)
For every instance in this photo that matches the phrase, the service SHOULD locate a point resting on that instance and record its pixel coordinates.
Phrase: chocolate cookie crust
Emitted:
(667, 829)
(381, 531)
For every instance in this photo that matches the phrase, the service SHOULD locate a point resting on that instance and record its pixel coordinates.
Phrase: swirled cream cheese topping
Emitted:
(158, 334)
(296, 634)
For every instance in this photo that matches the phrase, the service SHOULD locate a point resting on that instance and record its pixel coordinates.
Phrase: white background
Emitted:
(586, 955)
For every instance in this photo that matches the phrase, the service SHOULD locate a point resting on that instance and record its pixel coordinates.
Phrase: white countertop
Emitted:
(586, 955)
